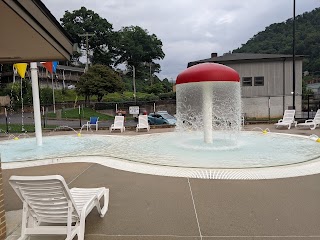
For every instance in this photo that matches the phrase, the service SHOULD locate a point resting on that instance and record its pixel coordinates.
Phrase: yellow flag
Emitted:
(21, 68)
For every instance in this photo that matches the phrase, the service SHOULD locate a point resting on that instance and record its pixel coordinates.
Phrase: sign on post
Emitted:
(134, 110)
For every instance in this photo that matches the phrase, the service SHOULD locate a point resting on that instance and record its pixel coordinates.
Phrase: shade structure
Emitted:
(206, 72)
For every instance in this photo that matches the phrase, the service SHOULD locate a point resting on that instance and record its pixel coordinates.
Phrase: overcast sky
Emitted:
(190, 29)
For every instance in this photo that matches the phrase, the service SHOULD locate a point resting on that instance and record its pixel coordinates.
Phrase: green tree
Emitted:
(155, 88)
(136, 46)
(99, 80)
(87, 21)
(14, 91)
(277, 38)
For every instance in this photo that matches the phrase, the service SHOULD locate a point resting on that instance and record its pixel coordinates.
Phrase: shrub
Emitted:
(169, 95)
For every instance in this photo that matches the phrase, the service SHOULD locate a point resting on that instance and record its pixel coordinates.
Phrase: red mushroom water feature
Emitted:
(208, 98)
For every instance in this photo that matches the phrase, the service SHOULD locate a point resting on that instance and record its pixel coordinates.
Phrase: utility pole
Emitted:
(150, 73)
(87, 35)
(134, 83)
(294, 56)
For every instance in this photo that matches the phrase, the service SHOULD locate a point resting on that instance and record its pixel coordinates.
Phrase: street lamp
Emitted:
(294, 56)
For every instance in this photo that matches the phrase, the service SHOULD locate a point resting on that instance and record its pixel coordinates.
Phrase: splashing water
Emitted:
(208, 106)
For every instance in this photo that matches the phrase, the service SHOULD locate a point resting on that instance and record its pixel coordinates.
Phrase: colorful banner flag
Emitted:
(48, 66)
(54, 66)
(21, 69)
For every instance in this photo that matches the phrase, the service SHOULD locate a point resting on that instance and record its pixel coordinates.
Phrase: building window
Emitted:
(259, 81)
(247, 81)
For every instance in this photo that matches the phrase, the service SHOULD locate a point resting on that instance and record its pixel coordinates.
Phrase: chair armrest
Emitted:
(280, 120)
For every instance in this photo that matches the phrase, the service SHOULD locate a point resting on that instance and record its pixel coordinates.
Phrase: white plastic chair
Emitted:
(287, 120)
(93, 122)
(118, 124)
(311, 123)
(47, 202)
(143, 123)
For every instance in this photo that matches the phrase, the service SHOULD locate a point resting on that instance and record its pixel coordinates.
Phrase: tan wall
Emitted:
(4, 100)
(2, 212)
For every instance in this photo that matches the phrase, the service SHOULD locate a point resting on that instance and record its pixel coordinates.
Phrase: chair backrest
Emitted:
(288, 116)
(94, 120)
(46, 196)
(316, 118)
(118, 121)
(143, 120)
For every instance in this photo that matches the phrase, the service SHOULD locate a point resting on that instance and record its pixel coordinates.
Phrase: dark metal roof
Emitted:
(245, 57)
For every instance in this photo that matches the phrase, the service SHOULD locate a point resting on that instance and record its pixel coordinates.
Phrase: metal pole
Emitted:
(269, 110)
(6, 114)
(308, 105)
(22, 107)
(53, 98)
(150, 73)
(36, 102)
(14, 74)
(294, 56)
(134, 83)
(43, 116)
(80, 115)
(87, 43)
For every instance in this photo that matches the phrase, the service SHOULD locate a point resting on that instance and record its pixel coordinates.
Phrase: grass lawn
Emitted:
(17, 128)
(85, 114)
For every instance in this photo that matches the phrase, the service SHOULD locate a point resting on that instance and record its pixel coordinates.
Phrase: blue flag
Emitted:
(54, 66)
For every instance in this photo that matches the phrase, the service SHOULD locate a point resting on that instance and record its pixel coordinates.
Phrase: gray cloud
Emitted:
(190, 29)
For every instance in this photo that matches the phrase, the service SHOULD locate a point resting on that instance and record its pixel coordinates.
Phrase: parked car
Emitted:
(161, 117)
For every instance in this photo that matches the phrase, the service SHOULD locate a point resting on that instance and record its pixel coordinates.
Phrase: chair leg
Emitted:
(24, 224)
(82, 228)
(105, 203)
(81, 232)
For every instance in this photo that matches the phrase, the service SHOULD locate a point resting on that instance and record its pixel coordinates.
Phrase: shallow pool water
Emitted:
(243, 150)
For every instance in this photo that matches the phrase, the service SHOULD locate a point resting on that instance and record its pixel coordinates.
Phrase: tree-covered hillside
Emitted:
(277, 38)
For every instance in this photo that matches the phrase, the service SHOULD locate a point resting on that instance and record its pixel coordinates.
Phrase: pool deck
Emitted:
(152, 207)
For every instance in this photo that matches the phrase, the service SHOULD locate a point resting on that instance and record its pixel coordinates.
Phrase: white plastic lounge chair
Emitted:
(311, 123)
(48, 203)
(93, 122)
(118, 124)
(243, 119)
(287, 120)
(143, 123)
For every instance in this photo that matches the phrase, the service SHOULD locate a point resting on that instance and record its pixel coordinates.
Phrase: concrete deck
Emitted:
(154, 207)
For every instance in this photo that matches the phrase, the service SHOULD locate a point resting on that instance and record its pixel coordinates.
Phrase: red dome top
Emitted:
(207, 72)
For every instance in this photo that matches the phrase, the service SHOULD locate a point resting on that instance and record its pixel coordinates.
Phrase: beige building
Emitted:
(266, 82)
